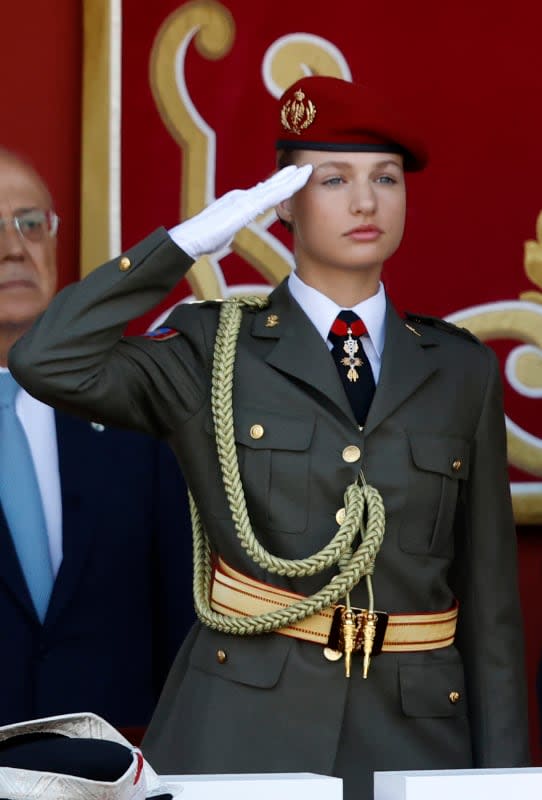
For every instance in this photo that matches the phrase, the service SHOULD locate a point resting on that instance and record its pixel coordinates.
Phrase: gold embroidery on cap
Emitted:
(296, 115)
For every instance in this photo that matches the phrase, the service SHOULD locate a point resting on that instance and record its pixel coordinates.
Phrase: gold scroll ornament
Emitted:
(519, 320)
(212, 29)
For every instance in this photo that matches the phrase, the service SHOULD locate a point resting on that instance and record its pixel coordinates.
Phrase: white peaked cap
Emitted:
(139, 782)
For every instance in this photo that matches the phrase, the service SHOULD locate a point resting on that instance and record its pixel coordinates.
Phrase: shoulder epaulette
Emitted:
(244, 302)
(205, 303)
(161, 334)
(441, 324)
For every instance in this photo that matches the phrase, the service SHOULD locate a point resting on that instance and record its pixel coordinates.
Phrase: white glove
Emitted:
(215, 226)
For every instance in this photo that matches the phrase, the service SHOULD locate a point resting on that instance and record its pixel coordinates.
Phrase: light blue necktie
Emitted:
(21, 500)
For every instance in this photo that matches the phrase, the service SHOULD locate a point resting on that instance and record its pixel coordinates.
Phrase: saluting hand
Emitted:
(216, 225)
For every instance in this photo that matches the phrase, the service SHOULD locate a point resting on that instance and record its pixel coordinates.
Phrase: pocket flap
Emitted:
(445, 454)
(252, 660)
(264, 430)
(433, 690)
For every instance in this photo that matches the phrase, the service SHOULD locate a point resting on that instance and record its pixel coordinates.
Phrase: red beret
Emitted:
(323, 113)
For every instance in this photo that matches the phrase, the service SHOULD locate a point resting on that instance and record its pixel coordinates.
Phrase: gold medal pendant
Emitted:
(351, 361)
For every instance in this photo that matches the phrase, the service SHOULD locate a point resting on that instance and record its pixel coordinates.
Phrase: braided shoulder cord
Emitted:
(360, 501)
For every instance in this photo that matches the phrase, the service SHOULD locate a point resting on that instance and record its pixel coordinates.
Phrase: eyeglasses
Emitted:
(33, 225)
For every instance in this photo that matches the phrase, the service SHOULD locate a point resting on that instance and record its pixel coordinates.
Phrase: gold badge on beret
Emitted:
(296, 115)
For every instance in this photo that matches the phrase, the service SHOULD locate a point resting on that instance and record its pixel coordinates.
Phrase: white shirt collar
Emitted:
(322, 311)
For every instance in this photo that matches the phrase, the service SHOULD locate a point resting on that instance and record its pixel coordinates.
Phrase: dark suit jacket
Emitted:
(121, 603)
(274, 703)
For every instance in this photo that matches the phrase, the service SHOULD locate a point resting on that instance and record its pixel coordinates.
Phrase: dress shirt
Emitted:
(38, 421)
(322, 311)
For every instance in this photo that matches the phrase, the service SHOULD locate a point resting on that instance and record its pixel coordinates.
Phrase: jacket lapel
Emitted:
(300, 351)
(10, 570)
(73, 438)
(407, 362)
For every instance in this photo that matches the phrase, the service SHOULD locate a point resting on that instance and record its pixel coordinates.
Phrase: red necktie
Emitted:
(352, 362)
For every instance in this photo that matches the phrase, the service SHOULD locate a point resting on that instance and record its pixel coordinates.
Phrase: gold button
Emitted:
(256, 432)
(221, 656)
(332, 655)
(454, 697)
(125, 264)
(340, 516)
(351, 453)
(457, 464)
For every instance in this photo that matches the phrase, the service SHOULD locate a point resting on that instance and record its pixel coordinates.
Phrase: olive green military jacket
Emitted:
(433, 445)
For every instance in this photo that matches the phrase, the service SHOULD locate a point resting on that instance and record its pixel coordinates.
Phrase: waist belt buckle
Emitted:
(338, 643)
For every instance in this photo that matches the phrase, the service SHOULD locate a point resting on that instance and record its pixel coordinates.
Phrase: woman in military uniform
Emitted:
(355, 573)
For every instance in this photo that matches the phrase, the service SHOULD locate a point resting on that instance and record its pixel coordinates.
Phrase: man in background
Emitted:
(95, 541)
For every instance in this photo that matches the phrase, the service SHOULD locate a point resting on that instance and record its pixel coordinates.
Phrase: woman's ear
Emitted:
(284, 211)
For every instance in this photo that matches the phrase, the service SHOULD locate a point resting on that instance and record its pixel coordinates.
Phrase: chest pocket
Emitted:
(438, 466)
(274, 459)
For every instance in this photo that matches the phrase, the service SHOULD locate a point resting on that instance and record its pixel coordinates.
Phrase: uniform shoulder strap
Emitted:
(441, 324)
